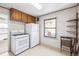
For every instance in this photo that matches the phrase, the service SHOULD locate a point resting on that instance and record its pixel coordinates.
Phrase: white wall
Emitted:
(13, 27)
(17, 27)
(62, 17)
(4, 44)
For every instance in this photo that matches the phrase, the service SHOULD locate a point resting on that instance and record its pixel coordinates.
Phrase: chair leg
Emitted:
(61, 46)
(71, 51)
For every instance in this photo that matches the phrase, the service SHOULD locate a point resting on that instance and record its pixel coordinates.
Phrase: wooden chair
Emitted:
(67, 42)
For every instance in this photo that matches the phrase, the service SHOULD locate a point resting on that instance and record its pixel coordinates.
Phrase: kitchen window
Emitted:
(50, 27)
(3, 26)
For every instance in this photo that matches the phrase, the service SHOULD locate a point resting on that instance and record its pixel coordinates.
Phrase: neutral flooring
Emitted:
(39, 50)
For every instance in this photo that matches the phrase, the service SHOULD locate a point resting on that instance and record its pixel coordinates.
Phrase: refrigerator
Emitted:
(33, 31)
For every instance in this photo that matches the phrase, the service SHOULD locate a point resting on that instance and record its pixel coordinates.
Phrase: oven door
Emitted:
(22, 43)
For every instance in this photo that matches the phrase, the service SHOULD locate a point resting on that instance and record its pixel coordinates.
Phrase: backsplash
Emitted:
(16, 27)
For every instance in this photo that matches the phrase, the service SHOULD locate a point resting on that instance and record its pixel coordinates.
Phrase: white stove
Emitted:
(19, 43)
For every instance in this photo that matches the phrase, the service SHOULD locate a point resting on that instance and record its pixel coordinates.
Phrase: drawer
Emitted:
(20, 37)
(21, 49)
(22, 43)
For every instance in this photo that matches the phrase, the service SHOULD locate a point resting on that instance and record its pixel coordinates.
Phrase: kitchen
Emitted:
(22, 30)
(35, 29)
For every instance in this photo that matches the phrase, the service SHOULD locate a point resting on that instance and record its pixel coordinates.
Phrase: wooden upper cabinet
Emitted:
(20, 16)
(31, 19)
(15, 14)
(12, 14)
(34, 19)
(24, 17)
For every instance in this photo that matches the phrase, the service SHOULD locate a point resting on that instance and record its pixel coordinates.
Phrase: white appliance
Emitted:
(19, 43)
(33, 31)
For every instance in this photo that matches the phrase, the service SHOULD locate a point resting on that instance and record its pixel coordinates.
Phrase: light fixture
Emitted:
(37, 5)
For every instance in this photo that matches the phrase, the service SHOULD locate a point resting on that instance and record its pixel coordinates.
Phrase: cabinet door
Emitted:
(15, 14)
(24, 17)
(33, 19)
(12, 14)
(29, 19)
(19, 16)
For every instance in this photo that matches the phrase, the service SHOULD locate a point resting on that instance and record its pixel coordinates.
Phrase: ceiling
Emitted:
(30, 9)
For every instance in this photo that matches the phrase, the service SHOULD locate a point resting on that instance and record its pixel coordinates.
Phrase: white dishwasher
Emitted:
(19, 43)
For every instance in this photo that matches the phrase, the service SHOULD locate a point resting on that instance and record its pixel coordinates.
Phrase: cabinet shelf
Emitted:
(72, 32)
(72, 20)
(72, 26)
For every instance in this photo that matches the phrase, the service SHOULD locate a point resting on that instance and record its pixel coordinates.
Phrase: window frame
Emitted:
(54, 28)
